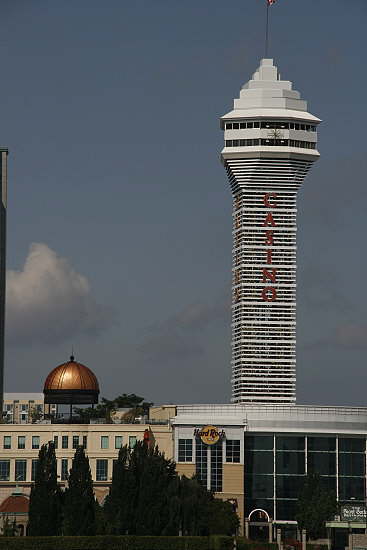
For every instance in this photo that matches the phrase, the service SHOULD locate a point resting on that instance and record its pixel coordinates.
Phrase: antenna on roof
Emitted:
(268, 4)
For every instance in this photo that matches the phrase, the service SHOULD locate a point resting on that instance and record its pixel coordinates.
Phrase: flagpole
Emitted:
(267, 30)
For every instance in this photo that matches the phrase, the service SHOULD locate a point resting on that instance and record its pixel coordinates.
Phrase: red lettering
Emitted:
(269, 237)
(269, 297)
(269, 256)
(269, 220)
(269, 275)
(268, 196)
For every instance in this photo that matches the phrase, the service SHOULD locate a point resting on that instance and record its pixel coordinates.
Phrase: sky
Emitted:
(119, 212)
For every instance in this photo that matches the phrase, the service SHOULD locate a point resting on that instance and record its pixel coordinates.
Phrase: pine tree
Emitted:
(154, 475)
(79, 505)
(45, 498)
(118, 504)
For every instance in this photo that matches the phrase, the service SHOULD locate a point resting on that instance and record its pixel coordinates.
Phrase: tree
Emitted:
(45, 498)
(79, 504)
(107, 406)
(147, 497)
(9, 529)
(118, 508)
(315, 506)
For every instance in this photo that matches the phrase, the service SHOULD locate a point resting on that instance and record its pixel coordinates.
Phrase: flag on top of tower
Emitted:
(271, 2)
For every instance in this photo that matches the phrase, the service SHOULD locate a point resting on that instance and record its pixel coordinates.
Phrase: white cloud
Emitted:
(48, 302)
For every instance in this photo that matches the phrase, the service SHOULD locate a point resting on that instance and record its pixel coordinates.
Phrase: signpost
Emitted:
(353, 513)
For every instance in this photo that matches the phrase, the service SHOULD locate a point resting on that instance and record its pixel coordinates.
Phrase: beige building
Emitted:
(24, 408)
(20, 444)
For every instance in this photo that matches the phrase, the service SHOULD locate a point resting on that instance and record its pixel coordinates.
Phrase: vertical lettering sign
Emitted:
(269, 293)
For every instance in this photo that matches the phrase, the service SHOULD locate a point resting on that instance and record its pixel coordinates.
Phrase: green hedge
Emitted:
(130, 543)
(245, 544)
(116, 543)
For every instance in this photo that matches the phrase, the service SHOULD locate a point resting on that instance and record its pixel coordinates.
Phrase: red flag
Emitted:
(271, 2)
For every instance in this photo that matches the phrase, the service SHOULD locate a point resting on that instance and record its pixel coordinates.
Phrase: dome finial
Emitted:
(72, 357)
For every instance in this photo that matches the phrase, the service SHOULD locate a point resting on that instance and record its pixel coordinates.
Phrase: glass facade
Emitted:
(276, 466)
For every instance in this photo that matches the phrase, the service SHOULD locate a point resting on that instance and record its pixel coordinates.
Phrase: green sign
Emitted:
(354, 513)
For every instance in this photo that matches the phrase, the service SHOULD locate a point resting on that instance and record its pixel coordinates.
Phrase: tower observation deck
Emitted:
(270, 144)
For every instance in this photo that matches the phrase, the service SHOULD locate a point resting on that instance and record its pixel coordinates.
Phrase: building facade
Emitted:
(262, 453)
(270, 144)
(20, 444)
(25, 408)
(3, 206)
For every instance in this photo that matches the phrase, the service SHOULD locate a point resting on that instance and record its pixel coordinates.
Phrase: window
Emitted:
(64, 469)
(322, 463)
(216, 467)
(4, 470)
(7, 441)
(101, 469)
(34, 469)
(75, 441)
(118, 441)
(56, 441)
(35, 441)
(260, 486)
(185, 450)
(321, 443)
(104, 441)
(201, 456)
(352, 445)
(132, 441)
(352, 464)
(290, 443)
(290, 462)
(233, 450)
(65, 442)
(20, 470)
(85, 441)
(259, 462)
(21, 441)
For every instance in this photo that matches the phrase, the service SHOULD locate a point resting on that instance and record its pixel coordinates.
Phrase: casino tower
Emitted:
(270, 144)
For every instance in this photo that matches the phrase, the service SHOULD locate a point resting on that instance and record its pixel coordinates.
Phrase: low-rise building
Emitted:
(25, 408)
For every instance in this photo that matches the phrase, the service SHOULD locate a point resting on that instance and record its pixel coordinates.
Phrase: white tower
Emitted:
(270, 144)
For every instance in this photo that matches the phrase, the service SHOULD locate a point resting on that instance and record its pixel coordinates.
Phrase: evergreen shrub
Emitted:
(125, 542)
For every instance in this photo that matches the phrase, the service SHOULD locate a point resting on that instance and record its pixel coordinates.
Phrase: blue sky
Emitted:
(119, 216)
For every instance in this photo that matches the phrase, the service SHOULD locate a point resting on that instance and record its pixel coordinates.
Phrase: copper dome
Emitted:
(71, 382)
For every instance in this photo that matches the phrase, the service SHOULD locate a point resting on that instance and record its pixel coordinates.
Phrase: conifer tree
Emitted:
(118, 504)
(45, 498)
(79, 502)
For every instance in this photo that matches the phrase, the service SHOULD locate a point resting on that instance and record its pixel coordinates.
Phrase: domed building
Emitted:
(71, 383)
